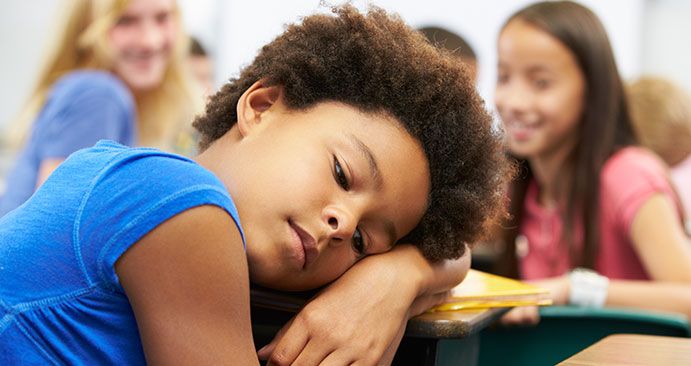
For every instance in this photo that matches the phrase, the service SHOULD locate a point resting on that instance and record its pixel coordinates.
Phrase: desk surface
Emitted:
(448, 324)
(634, 349)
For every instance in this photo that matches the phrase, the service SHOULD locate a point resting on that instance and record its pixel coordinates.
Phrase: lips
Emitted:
(309, 245)
(521, 131)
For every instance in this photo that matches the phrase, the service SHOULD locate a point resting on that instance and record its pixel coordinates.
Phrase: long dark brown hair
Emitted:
(605, 127)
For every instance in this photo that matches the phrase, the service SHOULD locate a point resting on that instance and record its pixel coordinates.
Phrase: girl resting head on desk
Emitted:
(587, 196)
(348, 136)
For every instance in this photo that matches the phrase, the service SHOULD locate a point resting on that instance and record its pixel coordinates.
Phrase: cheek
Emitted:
(334, 263)
(119, 40)
(169, 33)
(564, 109)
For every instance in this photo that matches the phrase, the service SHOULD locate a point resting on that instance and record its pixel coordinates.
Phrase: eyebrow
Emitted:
(371, 161)
(365, 151)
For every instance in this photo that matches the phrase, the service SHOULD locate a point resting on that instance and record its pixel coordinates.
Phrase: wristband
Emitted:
(588, 288)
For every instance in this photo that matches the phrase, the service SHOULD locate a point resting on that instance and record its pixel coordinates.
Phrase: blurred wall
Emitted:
(24, 36)
(646, 34)
(247, 25)
(666, 31)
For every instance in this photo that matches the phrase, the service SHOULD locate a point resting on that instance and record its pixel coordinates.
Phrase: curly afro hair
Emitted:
(373, 61)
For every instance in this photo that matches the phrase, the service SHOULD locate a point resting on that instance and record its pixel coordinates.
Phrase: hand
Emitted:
(559, 288)
(421, 304)
(529, 315)
(354, 320)
(522, 315)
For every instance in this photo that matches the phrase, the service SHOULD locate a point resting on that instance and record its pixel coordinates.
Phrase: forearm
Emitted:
(652, 295)
(426, 277)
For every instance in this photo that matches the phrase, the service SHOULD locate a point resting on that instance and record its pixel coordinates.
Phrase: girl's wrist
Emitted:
(587, 288)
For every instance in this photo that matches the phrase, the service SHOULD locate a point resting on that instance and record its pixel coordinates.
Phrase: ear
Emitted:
(252, 104)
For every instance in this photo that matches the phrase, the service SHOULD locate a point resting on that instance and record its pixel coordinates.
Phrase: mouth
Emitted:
(521, 130)
(306, 242)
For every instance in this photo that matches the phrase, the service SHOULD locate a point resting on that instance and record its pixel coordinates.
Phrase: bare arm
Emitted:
(665, 252)
(369, 306)
(188, 285)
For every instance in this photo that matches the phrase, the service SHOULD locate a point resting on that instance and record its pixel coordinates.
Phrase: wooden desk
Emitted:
(444, 338)
(634, 349)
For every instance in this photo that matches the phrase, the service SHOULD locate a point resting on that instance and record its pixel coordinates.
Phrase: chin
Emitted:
(282, 282)
(146, 84)
(142, 80)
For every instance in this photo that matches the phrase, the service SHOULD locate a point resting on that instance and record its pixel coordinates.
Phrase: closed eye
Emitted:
(340, 176)
(359, 246)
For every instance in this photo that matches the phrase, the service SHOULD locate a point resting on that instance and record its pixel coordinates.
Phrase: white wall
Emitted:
(647, 34)
(247, 25)
(24, 35)
(666, 35)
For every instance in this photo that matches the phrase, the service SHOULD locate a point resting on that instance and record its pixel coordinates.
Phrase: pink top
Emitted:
(681, 177)
(628, 179)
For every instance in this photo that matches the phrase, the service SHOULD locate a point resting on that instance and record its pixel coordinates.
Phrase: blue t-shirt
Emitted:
(82, 108)
(60, 298)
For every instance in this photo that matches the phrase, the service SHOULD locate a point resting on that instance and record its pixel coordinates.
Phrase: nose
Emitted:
(341, 224)
(152, 35)
(512, 98)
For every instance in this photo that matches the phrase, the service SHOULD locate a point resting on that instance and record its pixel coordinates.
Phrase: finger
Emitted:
(423, 303)
(523, 315)
(314, 352)
(513, 317)
(290, 345)
(266, 351)
(390, 352)
(531, 315)
(338, 359)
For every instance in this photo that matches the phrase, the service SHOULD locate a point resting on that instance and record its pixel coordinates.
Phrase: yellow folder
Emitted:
(483, 290)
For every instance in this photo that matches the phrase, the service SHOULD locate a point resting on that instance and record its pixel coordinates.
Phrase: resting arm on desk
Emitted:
(362, 314)
(659, 241)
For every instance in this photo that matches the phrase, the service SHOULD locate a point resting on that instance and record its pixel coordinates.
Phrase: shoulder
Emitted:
(629, 179)
(132, 192)
(150, 169)
(93, 84)
(634, 165)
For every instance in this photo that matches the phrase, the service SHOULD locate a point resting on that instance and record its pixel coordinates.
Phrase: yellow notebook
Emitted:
(483, 290)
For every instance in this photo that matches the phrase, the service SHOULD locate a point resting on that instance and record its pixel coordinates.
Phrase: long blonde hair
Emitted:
(82, 43)
(661, 112)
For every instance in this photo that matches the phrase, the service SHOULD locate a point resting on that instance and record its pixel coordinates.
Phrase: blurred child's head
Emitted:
(141, 42)
(337, 89)
(136, 39)
(562, 103)
(454, 43)
(201, 66)
(661, 114)
(558, 83)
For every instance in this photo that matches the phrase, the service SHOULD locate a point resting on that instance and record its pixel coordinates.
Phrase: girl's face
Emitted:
(142, 41)
(540, 91)
(319, 189)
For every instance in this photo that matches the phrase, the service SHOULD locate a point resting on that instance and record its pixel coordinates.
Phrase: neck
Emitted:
(553, 173)
(218, 156)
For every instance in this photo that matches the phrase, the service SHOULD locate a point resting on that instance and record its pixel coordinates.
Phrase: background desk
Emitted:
(634, 349)
(445, 338)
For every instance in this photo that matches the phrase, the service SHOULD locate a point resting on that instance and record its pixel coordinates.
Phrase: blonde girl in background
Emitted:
(593, 216)
(661, 115)
(117, 72)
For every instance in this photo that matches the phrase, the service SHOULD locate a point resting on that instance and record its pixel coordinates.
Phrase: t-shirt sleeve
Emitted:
(132, 198)
(630, 178)
(81, 110)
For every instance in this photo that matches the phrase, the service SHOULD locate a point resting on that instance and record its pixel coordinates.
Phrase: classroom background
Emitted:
(647, 36)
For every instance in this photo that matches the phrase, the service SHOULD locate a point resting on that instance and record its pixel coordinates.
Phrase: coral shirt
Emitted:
(627, 180)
